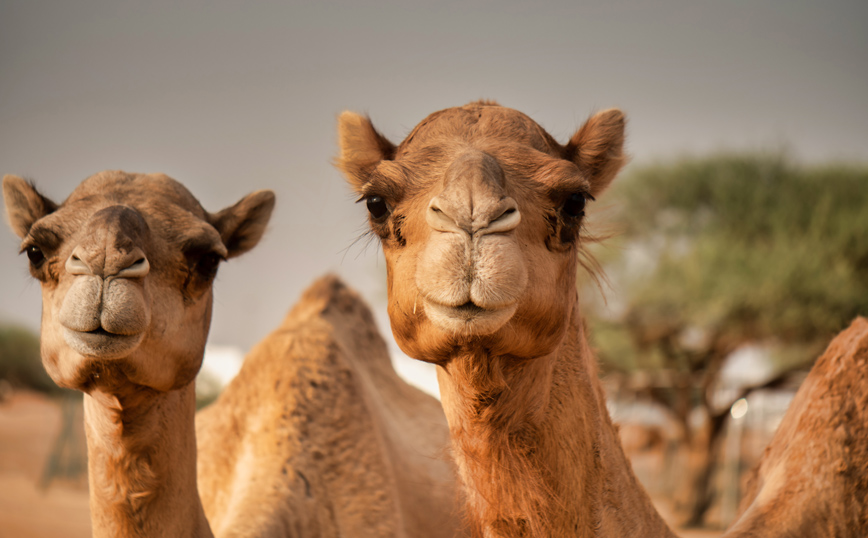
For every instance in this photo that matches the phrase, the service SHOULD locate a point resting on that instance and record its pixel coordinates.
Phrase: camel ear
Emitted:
(242, 225)
(362, 148)
(24, 205)
(598, 148)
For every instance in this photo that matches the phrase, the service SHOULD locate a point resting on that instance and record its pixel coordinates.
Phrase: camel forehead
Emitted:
(518, 167)
(478, 124)
(166, 206)
(145, 192)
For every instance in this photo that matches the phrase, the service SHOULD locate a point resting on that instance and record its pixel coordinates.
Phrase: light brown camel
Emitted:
(313, 438)
(480, 214)
(813, 478)
(333, 443)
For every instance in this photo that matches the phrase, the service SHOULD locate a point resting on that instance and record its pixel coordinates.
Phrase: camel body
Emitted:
(813, 477)
(318, 436)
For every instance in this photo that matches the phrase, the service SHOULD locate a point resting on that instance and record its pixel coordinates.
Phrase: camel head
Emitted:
(126, 265)
(480, 214)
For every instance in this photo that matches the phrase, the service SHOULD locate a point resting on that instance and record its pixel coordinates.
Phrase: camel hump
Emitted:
(328, 297)
(840, 376)
(329, 304)
(845, 361)
(853, 341)
(822, 439)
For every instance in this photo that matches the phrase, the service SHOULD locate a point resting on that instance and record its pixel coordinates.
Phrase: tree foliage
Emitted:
(721, 251)
(746, 248)
(20, 360)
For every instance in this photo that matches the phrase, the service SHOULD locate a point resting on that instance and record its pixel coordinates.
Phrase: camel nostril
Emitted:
(137, 269)
(76, 266)
(508, 220)
(445, 220)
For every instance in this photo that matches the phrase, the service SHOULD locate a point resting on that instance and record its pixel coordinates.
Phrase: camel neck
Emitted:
(536, 449)
(141, 448)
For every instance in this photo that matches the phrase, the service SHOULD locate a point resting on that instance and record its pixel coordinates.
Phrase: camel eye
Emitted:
(377, 207)
(35, 255)
(207, 265)
(574, 206)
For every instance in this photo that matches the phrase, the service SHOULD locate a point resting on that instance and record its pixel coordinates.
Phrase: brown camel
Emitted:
(313, 438)
(480, 215)
(334, 443)
(813, 477)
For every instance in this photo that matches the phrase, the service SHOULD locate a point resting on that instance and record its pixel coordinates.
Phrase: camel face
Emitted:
(470, 274)
(126, 265)
(480, 214)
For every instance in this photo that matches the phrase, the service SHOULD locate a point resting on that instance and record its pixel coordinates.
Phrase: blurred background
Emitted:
(737, 242)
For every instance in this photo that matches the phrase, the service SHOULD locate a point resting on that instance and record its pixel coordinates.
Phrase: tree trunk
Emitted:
(703, 492)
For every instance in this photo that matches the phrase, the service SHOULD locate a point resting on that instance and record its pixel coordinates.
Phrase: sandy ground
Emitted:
(29, 428)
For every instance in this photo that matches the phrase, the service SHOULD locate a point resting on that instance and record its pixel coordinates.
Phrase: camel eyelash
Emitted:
(559, 196)
(41, 237)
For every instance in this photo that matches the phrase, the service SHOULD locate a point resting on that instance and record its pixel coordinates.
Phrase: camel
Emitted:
(480, 213)
(480, 216)
(813, 477)
(334, 443)
(316, 436)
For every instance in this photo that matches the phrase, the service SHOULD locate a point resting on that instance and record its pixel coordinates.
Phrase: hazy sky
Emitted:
(229, 97)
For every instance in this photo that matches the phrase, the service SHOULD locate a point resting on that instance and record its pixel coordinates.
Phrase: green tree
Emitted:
(20, 360)
(722, 251)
